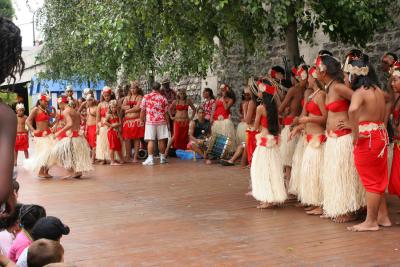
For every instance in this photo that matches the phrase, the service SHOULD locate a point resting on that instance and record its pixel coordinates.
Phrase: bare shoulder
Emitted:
(261, 109)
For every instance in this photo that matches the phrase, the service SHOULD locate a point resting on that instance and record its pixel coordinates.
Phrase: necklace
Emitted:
(313, 94)
(42, 109)
(328, 85)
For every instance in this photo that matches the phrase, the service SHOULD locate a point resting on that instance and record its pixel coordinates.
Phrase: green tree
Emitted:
(94, 38)
(6, 9)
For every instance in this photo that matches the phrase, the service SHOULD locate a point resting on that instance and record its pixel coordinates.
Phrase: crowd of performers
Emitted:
(323, 139)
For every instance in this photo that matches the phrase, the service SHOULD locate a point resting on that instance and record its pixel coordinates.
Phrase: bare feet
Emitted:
(364, 227)
(77, 175)
(249, 194)
(344, 218)
(384, 222)
(208, 162)
(309, 208)
(265, 205)
(66, 177)
(324, 216)
(316, 211)
(115, 164)
(135, 161)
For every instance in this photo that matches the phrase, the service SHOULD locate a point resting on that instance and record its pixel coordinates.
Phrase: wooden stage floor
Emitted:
(189, 214)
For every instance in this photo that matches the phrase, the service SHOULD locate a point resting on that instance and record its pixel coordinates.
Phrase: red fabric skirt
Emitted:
(251, 144)
(21, 141)
(371, 165)
(91, 135)
(113, 140)
(132, 128)
(394, 183)
(181, 134)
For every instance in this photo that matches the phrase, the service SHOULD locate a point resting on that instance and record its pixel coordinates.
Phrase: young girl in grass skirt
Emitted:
(267, 180)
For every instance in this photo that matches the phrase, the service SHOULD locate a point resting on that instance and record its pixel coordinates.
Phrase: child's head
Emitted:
(11, 223)
(44, 251)
(113, 107)
(20, 109)
(29, 215)
(49, 228)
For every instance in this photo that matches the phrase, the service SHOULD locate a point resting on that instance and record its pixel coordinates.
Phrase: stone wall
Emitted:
(234, 70)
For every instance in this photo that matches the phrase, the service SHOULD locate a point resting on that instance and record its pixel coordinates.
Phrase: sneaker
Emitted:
(163, 160)
(148, 162)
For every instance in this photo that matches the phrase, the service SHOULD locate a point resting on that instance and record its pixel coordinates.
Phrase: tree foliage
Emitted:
(6, 9)
(92, 39)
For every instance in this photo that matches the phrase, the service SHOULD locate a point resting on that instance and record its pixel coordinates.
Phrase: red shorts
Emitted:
(91, 135)
(132, 128)
(22, 141)
(394, 183)
(181, 134)
(371, 160)
(113, 140)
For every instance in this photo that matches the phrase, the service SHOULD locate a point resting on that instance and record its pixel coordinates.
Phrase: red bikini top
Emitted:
(103, 112)
(264, 121)
(41, 116)
(312, 108)
(113, 120)
(338, 105)
(220, 110)
(131, 103)
(182, 107)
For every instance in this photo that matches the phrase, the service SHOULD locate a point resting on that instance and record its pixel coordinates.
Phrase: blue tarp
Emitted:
(38, 86)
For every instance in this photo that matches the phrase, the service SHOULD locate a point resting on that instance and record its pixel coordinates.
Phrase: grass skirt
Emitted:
(310, 192)
(287, 147)
(102, 147)
(266, 172)
(42, 150)
(72, 153)
(295, 178)
(241, 133)
(226, 128)
(342, 189)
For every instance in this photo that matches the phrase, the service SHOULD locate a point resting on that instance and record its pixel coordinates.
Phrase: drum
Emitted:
(219, 146)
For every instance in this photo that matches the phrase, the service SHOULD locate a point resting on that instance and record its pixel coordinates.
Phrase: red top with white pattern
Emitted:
(208, 106)
(156, 106)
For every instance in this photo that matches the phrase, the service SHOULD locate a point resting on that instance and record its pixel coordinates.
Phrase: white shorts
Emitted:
(156, 132)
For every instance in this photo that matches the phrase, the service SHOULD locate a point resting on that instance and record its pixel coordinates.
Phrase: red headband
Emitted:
(224, 86)
(44, 98)
(294, 71)
(272, 73)
(269, 89)
(319, 64)
(63, 99)
(107, 90)
(312, 72)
